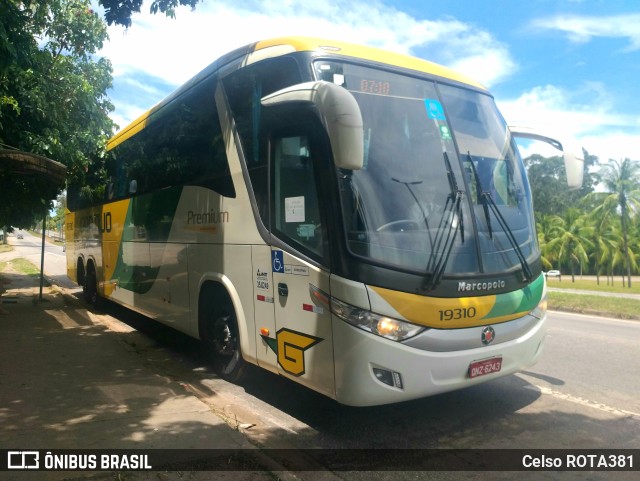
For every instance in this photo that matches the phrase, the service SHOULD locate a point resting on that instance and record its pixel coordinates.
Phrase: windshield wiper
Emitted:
(451, 216)
(485, 198)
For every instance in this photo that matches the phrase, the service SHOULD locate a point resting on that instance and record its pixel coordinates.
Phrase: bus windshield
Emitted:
(442, 180)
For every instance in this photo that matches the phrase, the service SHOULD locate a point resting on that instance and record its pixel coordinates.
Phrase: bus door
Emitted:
(303, 337)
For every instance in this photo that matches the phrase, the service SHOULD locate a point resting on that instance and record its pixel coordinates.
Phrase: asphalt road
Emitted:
(583, 394)
(55, 264)
(592, 358)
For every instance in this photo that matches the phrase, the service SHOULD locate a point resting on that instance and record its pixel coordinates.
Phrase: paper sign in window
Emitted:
(294, 209)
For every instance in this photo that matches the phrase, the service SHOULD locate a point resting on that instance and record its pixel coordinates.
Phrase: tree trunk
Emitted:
(625, 242)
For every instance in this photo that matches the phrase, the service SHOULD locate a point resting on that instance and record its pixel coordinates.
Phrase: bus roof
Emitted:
(302, 44)
(281, 46)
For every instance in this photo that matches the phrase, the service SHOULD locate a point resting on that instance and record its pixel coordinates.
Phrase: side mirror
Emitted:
(573, 155)
(340, 114)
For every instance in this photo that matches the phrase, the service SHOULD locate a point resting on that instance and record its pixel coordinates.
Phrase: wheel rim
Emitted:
(224, 339)
(231, 363)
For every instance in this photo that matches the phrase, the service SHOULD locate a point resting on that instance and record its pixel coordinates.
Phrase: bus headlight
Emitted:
(541, 310)
(383, 326)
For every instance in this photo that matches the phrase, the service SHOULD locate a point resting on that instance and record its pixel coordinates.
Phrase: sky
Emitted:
(568, 67)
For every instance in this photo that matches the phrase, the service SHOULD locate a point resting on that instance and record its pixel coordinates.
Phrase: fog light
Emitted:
(390, 378)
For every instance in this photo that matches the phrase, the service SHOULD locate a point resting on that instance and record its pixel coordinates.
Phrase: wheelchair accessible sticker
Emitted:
(434, 109)
(277, 261)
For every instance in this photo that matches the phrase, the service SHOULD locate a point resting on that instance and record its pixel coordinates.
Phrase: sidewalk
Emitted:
(68, 381)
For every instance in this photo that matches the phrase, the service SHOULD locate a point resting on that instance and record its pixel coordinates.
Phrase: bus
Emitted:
(355, 220)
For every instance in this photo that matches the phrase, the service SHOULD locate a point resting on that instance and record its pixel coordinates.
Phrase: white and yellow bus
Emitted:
(355, 220)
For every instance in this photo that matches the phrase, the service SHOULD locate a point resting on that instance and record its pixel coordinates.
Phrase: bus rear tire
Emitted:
(221, 337)
(90, 287)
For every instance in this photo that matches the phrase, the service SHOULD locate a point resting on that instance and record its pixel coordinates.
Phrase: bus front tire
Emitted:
(223, 344)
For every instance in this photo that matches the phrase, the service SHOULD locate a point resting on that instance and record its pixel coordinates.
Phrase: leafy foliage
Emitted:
(597, 232)
(549, 184)
(53, 98)
(118, 12)
(622, 199)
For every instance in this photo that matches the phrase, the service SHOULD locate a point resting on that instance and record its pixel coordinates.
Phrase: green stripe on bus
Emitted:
(522, 300)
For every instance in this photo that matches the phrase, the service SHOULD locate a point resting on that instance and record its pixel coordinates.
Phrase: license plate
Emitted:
(484, 367)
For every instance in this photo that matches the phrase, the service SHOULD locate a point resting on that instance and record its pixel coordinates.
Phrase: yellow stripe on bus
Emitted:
(302, 44)
(444, 312)
(112, 240)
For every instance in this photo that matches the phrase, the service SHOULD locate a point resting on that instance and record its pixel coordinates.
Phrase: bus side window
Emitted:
(181, 144)
(244, 89)
(296, 206)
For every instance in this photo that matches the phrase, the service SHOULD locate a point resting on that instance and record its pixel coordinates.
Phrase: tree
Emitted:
(572, 245)
(119, 12)
(605, 239)
(549, 227)
(625, 259)
(53, 98)
(622, 199)
(548, 181)
(57, 218)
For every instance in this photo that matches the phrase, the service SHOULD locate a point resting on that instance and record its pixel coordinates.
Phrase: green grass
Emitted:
(591, 285)
(618, 307)
(5, 248)
(26, 267)
(21, 265)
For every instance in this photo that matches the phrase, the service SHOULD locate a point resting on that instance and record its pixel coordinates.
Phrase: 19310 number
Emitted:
(456, 314)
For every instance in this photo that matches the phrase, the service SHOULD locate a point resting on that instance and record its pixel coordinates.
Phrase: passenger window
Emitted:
(244, 89)
(295, 202)
(181, 144)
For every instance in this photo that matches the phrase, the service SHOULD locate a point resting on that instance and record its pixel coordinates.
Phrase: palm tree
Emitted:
(572, 245)
(549, 227)
(625, 259)
(621, 256)
(611, 255)
(605, 239)
(622, 181)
